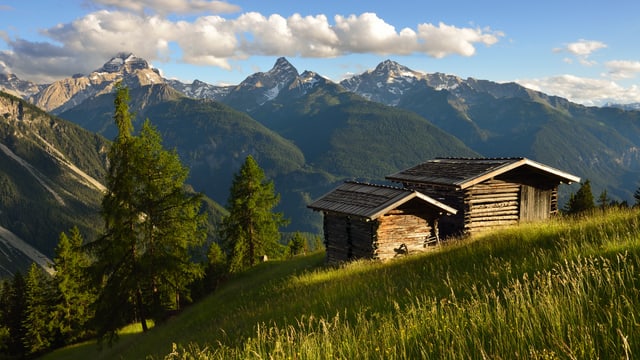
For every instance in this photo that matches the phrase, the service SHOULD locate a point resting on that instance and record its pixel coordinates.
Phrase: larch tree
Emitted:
(74, 292)
(251, 229)
(143, 259)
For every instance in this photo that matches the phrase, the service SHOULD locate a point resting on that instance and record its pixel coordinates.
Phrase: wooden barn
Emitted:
(377, 222)
(488, 193)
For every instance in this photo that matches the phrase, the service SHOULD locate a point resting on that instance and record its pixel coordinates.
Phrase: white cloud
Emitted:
(84, 44)
(582, 50)
(585, 47)
(443, 40)
(170, 6)
(623, 69)
(586, 91)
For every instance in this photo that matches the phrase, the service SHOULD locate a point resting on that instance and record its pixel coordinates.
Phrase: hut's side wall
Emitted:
(336, 238)
(402, 231)
(347, 238)
(491, 204)
(362, 234)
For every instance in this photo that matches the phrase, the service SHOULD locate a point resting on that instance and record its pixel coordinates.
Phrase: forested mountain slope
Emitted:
(51, 175)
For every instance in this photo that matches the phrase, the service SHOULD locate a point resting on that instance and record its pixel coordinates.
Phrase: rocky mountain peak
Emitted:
(280, 75)
(11, 84)
(66, 93)
(124, 62)
(386, 83)
(392, 69)
(306, 81)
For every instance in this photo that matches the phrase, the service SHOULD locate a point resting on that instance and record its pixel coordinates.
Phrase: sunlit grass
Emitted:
(567, 288)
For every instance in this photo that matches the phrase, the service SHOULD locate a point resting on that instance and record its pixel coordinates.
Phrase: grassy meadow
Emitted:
(563, 289)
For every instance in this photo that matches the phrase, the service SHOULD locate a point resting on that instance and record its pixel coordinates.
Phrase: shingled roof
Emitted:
(370, 201)
(464, 172)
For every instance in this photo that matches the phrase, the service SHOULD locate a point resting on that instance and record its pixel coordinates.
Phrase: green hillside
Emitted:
(348, 136)
(560, 289)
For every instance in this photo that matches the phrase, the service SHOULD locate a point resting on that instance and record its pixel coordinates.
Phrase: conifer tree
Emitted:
(14, 313)
(582, 200)
(251, 229)
(297, 245)
(5, 332)
(603, 200)
(74, 292)
(37, 323)
(151, 223)
(636, 196)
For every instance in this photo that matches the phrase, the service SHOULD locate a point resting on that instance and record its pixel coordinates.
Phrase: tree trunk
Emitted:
(140, 306)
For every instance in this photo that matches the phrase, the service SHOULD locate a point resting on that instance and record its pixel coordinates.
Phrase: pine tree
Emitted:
(74, 291)
(39, 335)
(297, 244)
(5, 332)
(251, 229)
(603, 200)
(636, 196)
(14, 313)
(581, 201)
(151, 224)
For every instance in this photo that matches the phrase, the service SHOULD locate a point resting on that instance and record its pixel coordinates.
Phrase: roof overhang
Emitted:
(561, 175)
(412, 195)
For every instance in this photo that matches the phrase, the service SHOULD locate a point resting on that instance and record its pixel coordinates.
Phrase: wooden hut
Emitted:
(488, 193)
(377, 222)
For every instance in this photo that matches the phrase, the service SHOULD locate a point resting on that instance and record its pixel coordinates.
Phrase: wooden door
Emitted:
(535, 204)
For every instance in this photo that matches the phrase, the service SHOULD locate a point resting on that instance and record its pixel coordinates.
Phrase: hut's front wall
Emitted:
(400, 232)
(537, 204)
(448, 225)
(491, 204)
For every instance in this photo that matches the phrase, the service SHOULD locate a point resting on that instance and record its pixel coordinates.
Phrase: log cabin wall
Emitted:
(404, 230)
(400, 231)
(448, 225)
(347, 238)
(336, 238)
(491, 204)
(362, 233)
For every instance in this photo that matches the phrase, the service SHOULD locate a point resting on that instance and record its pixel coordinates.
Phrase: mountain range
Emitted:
(310, 133)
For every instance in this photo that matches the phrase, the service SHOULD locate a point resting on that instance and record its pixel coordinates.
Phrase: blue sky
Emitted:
(586, 51)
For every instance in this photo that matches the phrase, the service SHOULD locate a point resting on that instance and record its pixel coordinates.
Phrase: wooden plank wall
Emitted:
(535, 204)
(491, 204)
(452, 225)
(347, 238)
(400, 232)
(336, 238)
(362, 235)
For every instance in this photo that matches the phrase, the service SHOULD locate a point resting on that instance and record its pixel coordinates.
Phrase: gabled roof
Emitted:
(463, 172)
(370, 201)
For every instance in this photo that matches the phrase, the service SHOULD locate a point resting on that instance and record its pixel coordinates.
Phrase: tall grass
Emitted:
(565, 289)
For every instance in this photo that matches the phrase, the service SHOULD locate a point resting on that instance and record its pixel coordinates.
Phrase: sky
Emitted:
(586, 51)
